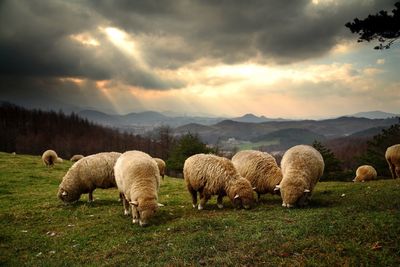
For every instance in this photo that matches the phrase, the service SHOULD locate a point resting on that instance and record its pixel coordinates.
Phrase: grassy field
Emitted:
(346, 224)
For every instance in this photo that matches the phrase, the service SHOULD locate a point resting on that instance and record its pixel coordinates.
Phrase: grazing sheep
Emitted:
(161, 166)
(302, 166)
(259, 168)
(75, 158)
(212, 175)
(365, 173)
(87, 174)
(138, 179)
(50, 157)
(392, 156)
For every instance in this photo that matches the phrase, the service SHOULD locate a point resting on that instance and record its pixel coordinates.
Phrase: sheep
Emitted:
(212, 175)
(392, 156)
(138, 180)
(302, 166)
(260, 169)
(75, 158)
(49, 158)
(365, 173)
(161, 166)
(87, 174)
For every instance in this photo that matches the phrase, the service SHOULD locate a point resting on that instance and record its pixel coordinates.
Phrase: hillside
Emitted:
(345, 224)
(290, 137)
(34, 131)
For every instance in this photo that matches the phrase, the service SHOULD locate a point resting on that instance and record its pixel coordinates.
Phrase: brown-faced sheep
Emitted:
(161, 166)
(87, 174)
(50, 157)
(392, 156)
(365, 173)
(259, 168)
(212, 175)
(138, 179)
(75, 158)
(302, 166)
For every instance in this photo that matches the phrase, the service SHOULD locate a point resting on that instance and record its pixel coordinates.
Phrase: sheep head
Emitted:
(241, 193)
(293, 195)
(68, 196)
(145, 208)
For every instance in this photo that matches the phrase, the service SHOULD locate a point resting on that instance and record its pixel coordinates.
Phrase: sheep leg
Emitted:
(126, 205)
(91, 196)
(392, 169)
(258, 196)
(219, 201)
(193, 193)
(203, 200)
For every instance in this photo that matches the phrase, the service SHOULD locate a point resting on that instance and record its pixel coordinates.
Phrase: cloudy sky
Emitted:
(291, 58)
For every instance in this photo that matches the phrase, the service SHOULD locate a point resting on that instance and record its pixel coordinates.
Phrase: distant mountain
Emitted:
(141, 122)
(332, 128)
(375, 115)
(253, 118)
(99, 117)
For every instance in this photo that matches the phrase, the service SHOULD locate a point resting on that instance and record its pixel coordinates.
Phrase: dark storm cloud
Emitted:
(237, 31)
(35, 36)
(35, 40)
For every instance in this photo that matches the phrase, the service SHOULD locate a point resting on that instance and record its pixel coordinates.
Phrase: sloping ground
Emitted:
(346, 224)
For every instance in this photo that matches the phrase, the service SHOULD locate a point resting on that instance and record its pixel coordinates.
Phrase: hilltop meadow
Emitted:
(345, 224)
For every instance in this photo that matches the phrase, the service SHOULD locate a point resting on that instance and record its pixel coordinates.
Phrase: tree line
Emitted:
(33, 131)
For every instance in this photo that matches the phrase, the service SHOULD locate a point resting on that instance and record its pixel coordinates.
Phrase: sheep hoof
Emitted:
(135, 220)
(194, 206)
(289, 206)
(200, 207)
(283, 204)
(126, 212)
(160, 205)
(220, 206)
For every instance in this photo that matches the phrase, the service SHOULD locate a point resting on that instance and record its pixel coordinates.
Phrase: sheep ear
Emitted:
(306, 190)
(134, 203)
(237, 196)
(64, 193)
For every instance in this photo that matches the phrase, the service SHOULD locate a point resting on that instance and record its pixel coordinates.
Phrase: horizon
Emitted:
(192, 58)
(171, 114)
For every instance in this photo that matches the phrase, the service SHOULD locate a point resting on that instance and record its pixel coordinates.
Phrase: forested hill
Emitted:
(34, 131)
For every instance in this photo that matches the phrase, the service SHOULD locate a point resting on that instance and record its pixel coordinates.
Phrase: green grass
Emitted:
(38, 230)
(256, 145)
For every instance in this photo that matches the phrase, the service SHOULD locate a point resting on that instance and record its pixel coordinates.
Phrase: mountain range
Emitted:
(151, 119)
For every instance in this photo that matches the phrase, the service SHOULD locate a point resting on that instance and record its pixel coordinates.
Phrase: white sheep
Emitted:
(138, 179)
(49, 158)
(365, 173)
(87, 174)
(212, 175)
(392, 156)
(302, 166)
(161, 166)
(260, 168)
(75, 158)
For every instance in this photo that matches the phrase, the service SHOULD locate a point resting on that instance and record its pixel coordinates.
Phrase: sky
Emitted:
(289, 59)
